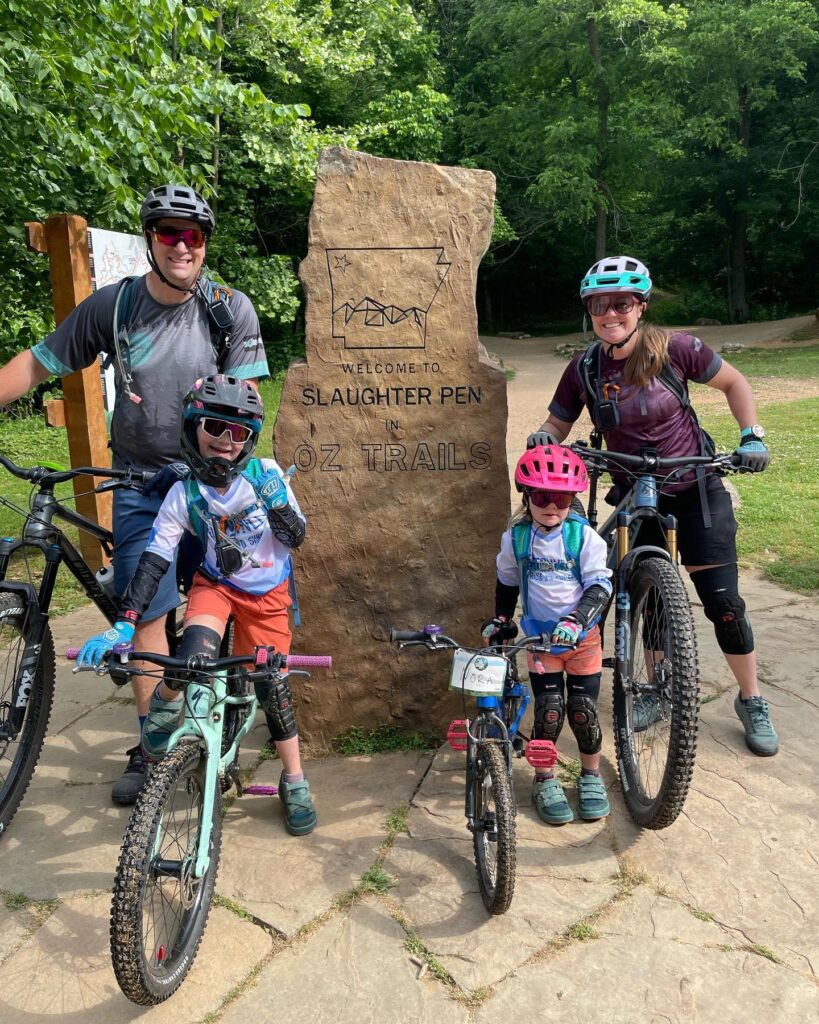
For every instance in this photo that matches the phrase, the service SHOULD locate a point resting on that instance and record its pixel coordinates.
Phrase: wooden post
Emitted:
(65, 239)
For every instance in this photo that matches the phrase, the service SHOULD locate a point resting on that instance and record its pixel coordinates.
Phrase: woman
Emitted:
(633, 381)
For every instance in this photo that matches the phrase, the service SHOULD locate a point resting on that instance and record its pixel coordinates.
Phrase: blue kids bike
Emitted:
(491, 739)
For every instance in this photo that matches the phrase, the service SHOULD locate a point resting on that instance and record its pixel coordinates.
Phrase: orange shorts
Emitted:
(259, 620)
(584, 660)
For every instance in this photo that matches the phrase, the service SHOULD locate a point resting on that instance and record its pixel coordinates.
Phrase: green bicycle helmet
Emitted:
(616, 274)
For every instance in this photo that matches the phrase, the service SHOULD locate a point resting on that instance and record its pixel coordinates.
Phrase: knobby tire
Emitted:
(19, 758)
(495, 860)
(157, 922)
(656, 765)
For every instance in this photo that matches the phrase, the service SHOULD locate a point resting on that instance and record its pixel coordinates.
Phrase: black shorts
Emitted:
(698, 546)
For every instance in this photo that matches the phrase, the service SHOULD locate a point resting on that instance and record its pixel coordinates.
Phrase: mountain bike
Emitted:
(656, 681)
(490, 740)
(167, 866)
(27, 665)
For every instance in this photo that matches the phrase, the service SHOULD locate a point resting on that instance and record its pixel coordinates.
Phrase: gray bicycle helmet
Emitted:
(225, 398)
(176, 201)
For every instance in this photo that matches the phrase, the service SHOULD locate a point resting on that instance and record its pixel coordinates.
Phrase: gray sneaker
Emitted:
(760, 735)
(162, 720)
(127, 787)
(647, 711)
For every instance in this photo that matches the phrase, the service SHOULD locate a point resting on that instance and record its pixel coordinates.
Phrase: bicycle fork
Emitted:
(26, 672)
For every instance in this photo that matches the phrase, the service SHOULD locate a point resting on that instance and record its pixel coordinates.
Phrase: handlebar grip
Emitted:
(309, 661)
(407, 634)
(72, 653)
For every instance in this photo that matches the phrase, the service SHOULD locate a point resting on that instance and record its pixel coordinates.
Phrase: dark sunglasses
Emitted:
(194, 238)
(598, 305)
(215, 428)
(540, 499)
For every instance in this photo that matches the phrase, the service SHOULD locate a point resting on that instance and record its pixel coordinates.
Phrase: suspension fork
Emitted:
(34, 627)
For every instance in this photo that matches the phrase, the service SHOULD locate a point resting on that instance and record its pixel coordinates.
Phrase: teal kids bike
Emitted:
(167, 866)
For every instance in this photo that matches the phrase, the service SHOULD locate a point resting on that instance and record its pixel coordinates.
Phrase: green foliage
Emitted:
(357, 741)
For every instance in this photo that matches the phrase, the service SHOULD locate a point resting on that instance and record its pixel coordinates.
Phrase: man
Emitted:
(168, 343)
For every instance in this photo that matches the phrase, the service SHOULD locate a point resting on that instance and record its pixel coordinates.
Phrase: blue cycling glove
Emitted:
(752, 454)
(271, 486)
(566, 632)
(94, 650)
(161, 482)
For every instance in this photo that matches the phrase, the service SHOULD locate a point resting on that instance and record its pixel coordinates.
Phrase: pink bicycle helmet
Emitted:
(553, 468)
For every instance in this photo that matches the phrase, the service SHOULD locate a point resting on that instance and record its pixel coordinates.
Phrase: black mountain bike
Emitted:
(27, 666)
(656, 681)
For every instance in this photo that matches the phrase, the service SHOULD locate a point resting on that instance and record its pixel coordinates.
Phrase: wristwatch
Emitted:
(754, 431)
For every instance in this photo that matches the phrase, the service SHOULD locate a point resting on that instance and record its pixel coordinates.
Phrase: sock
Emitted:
(293, 777)
(747, 700)
(590, 771)
(543, 776)
(141, 723)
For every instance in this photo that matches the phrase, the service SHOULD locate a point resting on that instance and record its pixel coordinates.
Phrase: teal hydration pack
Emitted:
(200, 516)
(220, 322)
(572, 530)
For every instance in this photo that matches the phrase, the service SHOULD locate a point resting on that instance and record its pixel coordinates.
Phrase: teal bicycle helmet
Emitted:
(616, 274)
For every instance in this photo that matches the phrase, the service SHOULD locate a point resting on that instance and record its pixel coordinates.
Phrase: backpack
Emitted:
(220, 322)
(572, 530)
(589, 367)
(200, 515)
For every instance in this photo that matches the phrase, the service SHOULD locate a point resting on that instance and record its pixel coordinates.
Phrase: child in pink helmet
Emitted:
(553, 559)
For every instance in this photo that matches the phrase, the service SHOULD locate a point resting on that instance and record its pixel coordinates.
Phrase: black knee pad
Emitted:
(276, 700)
(588, 685)
(584, 723)
(718, 589)
(195, 640)
(549, 711)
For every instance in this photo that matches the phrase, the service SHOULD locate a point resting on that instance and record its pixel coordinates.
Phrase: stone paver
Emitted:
(64, 971)
(355, 969)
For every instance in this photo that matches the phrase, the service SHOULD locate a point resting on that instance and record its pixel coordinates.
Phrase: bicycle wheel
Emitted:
(494, 828)
(656, 759)
(159, 910)
(19, 756)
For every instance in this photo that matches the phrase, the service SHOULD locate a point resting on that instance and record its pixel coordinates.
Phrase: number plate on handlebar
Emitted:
(482, 675)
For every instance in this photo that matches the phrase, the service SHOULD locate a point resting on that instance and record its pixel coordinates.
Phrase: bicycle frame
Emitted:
(204, 724)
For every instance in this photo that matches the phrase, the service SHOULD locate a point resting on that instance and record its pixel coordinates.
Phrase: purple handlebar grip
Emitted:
(309, 661)
(72, 653)
(432, 630)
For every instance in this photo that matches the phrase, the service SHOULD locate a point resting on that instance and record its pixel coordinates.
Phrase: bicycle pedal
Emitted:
(541, 753)
(260, 790)
(457, 734)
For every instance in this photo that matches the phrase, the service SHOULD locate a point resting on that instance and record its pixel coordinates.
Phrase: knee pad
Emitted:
(276, 700)
(718, 589)
(549, 711)
(195, 640)
(584, 723)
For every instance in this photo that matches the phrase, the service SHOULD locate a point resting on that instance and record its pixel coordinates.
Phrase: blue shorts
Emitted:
(133, 519)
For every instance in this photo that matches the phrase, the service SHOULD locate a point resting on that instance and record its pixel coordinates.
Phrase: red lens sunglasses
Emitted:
(215, 428)
(194, 238)
(599, 305)
(541, 499)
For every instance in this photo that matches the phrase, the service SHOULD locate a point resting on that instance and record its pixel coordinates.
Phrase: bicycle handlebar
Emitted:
(41, 474)
(654, 462)
(438, 641)
(206, 665)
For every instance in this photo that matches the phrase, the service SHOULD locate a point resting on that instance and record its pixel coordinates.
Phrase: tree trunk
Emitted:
(603, 101)
(738, 222)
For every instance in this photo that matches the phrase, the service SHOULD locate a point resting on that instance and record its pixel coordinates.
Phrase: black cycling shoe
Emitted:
(127, 787)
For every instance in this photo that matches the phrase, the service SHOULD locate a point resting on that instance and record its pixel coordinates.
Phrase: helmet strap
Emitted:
(610, 348)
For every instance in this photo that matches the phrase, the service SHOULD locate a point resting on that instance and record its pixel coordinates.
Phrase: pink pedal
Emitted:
(260, 790)
(457, 733)
(541, 753)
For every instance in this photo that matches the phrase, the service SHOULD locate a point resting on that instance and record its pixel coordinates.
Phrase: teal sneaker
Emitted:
(594, 802)
(760, 735)
(647, 711)
(162, 720)
(550, 802)
(300, 816)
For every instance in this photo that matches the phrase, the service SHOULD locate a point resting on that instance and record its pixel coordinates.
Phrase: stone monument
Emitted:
(396, 423)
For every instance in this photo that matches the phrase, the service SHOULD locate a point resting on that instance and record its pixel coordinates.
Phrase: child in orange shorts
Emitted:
(557, 564)
(244, 512)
